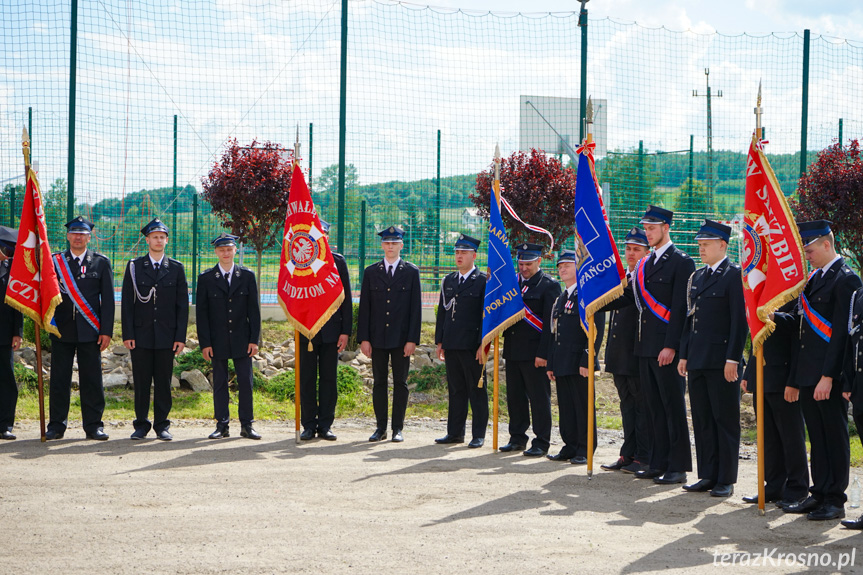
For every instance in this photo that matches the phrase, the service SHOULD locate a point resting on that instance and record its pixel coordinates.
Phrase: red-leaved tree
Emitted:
(832, 189)
(248, 190)
(540, 190)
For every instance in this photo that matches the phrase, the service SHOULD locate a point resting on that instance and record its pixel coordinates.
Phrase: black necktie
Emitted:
(460, 280)
(156, 267)
(816, 277)
(390, 271)
(709, 273)
(228, 280)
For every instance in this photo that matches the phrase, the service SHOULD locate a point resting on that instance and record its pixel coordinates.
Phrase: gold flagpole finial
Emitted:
(495, 186)
(297, 147)
(25, 146)
(588, 120)
(758, 112)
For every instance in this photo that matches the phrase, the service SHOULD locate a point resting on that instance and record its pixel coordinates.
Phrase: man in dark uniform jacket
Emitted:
(854, 371)
(229, 327)
(320, 366)
(458, 336)
(786, 468)
(388, 327)
(661, 302)
(567, 367)
(11, 335)
(621, 362)
(525, 349)
(155, 314)
(711, 352)
(817, 371)
(85, 320)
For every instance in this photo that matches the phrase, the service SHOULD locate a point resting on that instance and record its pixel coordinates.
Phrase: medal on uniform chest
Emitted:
(568, 306)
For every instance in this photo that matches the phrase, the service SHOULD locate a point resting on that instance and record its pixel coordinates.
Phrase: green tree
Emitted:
(325, 192)
(632, 179)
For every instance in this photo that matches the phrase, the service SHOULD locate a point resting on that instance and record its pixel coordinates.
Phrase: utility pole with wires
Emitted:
(709, 97)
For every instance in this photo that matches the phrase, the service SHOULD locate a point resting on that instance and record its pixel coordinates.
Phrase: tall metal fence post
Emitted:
(582, 105)
(640, 178)
(362, 247)
(804, 114)
(174, 195)
(195, 247)
(437, 217)
(840, 132)
(310, 157)
(691, 161)
(73, 68)
(343, 108)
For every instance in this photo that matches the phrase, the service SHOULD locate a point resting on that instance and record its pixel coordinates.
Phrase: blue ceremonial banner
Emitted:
(503, 305)
(600, 274)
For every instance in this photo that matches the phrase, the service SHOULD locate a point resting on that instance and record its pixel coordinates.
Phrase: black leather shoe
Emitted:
(578, 460)
(378, 435)
(307, 434)
(52, 434)
(98, 435)
(754, 499)
(221, 432)
(139, 434)
(164, 435)
(534, 452)
(6, 434)
(670, 478)
(803, 506)
(826, 512)
(562, 456)
(853, 523)
(722, 490)
(476, 442)
(700, 485)
(617, 465)
(327, 434)
(249, 432)
(635, 467)
(397, 436)
(649, 474)
(512, 447)
(446, 439)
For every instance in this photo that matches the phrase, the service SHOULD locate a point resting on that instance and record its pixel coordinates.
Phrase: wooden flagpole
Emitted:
(759, 366)
(297, 383)
(38, 325)
(297, 410)
(591, 408)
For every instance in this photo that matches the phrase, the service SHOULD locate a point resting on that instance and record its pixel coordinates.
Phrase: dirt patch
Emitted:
(238, 506)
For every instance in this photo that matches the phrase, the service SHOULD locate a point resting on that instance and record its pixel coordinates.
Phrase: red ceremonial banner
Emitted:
(773, 268)
(33, 288)
(310, 288)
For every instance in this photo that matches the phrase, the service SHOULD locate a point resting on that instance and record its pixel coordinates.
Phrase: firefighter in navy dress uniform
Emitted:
(229, 327)
(786, 468)
(11, 335)
(320, 366)
(854, 370)
(817, 371)
(568, 364)
(388, 327)
(621, 362)
(155, 315)
(525, 349)
(659, 291)
(711, 352)
(458, 336)
(85, 320)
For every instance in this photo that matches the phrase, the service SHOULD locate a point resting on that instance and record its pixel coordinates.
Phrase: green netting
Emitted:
(419, 80)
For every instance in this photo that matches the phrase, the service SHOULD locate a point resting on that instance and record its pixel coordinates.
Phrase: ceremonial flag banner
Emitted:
(773, 270)
(503, 305)
(310, 289)
(33, 287)
(599, 271)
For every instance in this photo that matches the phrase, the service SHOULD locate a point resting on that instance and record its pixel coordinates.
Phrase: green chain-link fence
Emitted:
(161, 85)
